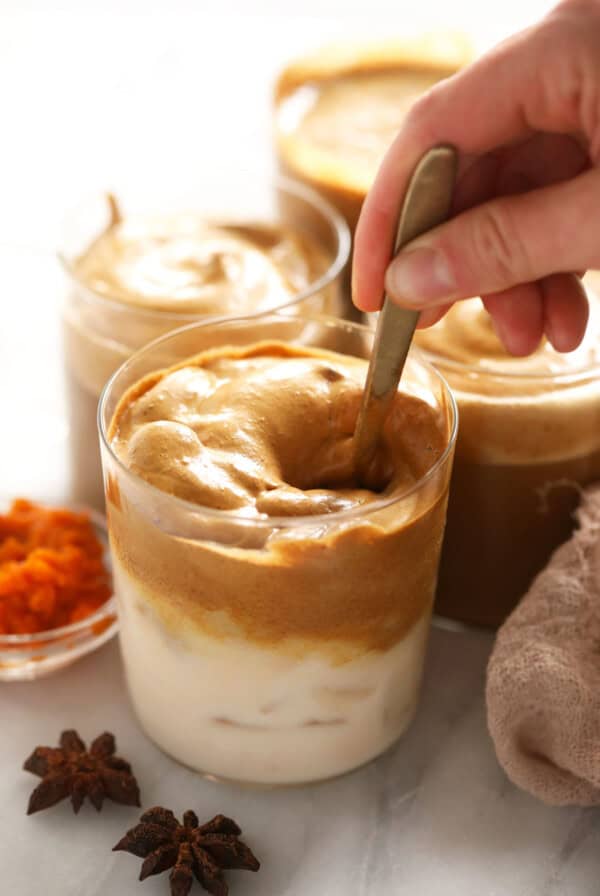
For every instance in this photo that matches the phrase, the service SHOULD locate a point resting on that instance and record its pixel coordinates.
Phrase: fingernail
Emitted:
(419, 276)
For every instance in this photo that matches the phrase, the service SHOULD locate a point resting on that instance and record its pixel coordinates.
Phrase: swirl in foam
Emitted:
(187, 264)
(294, 621)
(268, 430)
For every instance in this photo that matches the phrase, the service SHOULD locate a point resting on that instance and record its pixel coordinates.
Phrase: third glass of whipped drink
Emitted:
(337, 111)
(529, 440)
(138, 267)
(274, 611)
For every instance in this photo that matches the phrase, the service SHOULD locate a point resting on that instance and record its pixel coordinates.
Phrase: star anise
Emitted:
(188, 849)
(71, 770)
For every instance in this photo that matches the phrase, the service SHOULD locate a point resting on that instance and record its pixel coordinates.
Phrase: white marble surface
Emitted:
(100, 95)
(435, 817)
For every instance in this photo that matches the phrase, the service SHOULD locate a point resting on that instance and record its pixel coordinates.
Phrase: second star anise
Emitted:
(189, 849)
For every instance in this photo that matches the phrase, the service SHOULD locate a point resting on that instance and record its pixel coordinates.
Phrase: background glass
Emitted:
(100, 333)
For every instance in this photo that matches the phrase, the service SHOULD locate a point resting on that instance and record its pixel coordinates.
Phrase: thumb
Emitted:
(501, 243)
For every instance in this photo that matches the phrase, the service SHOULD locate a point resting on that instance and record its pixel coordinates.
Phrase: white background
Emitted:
(94, 95)
(91, 93)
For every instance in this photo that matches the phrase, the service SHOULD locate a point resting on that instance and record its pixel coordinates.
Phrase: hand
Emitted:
(526, 121)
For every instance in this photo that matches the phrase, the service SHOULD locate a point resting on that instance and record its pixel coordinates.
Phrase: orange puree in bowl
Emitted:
(51, 568)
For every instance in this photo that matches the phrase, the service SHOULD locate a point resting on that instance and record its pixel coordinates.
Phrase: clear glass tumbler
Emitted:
(529, 441)
(100, 331)
(337, 110)
(274, 650)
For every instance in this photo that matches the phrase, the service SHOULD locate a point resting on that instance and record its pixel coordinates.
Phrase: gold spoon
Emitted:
(426, 204)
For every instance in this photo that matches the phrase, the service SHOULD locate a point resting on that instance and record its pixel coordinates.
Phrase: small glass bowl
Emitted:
(31, 656)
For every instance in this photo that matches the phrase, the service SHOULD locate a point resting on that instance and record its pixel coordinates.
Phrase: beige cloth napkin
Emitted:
(543, 686)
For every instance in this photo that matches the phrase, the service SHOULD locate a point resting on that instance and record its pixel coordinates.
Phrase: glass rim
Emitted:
(566, 377)
(281, 522)
(279, 181)
(106, 611)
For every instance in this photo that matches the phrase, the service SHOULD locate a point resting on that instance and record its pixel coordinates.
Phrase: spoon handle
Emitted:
(427, 203)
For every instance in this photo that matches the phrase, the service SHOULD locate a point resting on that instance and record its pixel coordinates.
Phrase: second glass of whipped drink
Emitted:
(529, 442)
(140, 265)
(274, 611)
